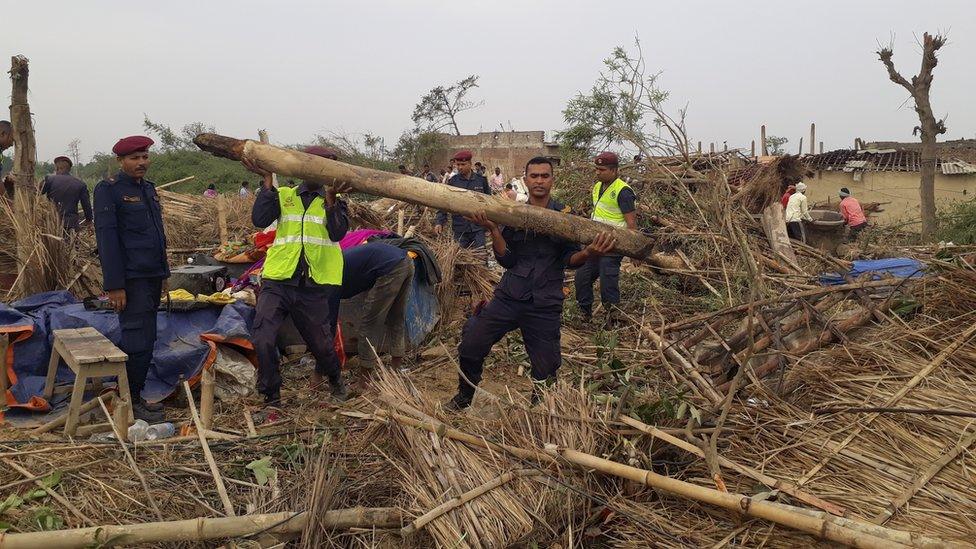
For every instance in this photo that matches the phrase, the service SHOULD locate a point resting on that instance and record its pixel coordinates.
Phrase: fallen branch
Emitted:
(200, 529)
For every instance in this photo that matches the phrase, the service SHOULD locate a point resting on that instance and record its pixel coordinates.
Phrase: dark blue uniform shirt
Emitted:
(363, 264)
(477, 183)
(129, 231)
(68, 192)
(535, 265)
(267, 210)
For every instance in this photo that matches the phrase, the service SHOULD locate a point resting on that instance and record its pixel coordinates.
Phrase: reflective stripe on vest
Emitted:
(299, 232)
(605, 208)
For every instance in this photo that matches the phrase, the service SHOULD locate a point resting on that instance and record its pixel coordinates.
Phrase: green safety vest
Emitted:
(302, 231)
(605, 208)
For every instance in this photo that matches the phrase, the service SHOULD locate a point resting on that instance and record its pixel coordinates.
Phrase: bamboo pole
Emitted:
(120, 436)
(200, 529)
(820, 524)
(178, 181)
(776, 484)
(51, 492)
(61, 420)
(418, 191)
(222, 218)
(201, 434)
(207, 382)
(263, 137)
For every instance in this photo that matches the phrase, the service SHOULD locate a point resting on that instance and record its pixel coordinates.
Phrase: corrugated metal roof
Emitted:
(956, 167)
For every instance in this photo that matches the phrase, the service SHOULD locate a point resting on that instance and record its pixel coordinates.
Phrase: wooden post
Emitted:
(207, 381)
(813, 136)
(699, 147)
(263, 137)
(762, 140)
(417, 191)
(120, 416)
(400, 222)
(222, 218)
(711, 148)
(752, 150)
(821, 147)
(25, 153)
(800, 148)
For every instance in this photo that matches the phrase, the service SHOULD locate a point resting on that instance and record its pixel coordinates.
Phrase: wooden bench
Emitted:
(90, 355)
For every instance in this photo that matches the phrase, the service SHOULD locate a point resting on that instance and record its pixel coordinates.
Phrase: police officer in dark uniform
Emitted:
(529, 295)
(132, 250)
(466, 233)
(67, 192)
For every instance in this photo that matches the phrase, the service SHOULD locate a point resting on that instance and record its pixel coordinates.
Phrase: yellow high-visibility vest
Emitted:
(302, 231)
(605, 208)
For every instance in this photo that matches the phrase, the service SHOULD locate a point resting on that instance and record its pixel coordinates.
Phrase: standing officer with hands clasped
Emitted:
(302, 270)
(466, 233)
(614, 203)
(132, 250)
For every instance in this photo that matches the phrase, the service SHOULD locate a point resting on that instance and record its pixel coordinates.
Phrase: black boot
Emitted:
(152, 406)
(339, 390)
(141, 411)
(458, 403)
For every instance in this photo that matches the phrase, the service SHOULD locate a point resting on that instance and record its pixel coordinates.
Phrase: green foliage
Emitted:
(620, 107)
(13, 501)
(177, 164)
(957, 223)
(774, 145)
(438, 109)
(416, 148)
(169, 140)
(262, 470)
(46, 519)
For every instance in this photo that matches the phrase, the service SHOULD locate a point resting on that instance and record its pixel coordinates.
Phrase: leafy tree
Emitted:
(625, 105)
(774, 145)
(416, 147)
(170, 140)
(440, 107)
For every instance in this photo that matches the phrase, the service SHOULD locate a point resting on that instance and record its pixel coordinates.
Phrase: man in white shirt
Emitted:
(797, 211)
(244, 192)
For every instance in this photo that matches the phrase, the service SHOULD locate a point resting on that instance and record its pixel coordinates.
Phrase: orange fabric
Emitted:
(36, 404)
(851, 209)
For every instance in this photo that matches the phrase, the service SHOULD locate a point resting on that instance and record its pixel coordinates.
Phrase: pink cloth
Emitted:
(355, 238)
(210, 193)
(497, 182)
(853, 214)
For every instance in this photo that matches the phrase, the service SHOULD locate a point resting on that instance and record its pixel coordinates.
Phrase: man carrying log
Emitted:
(529, 295)
(132, 249)
(301, 271)
(615, 204)
(67, 192)
(467, 233)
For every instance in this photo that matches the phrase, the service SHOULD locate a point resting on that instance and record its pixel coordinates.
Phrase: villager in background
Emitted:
(428, 175)
(530, 294)
(797, 211)
(67, 192)
(614, 203)
(497, 181)
(302, 269)
(385, 271)
(785, 199)
(132, 249)
(211, 191)
(403, 170)
(853, 214)
(244, 192)
(467, 233)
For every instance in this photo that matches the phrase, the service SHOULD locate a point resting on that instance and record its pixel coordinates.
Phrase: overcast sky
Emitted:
(299, 68)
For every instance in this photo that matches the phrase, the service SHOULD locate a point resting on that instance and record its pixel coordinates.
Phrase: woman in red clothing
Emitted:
(786, 196)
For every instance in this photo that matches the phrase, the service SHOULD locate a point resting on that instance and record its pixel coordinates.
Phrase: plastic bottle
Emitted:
(138, 431)
(160, 430)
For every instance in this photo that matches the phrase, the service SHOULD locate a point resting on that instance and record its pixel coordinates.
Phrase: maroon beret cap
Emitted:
(131, 144)
(63, 159)
(324, 152)
(607, 159)
(463, 156)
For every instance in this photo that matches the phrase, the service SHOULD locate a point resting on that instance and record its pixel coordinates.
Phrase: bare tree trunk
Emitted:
(929, 128)
(25, 154)
(414, 190)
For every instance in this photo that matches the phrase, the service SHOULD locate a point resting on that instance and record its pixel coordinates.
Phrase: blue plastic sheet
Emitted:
(179, 351)
(897, 267)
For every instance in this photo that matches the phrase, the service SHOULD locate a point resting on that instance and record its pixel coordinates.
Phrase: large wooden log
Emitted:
(414, 190)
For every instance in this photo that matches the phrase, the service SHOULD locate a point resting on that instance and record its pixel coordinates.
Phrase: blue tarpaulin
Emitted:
(185, 341)
(897, 267)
